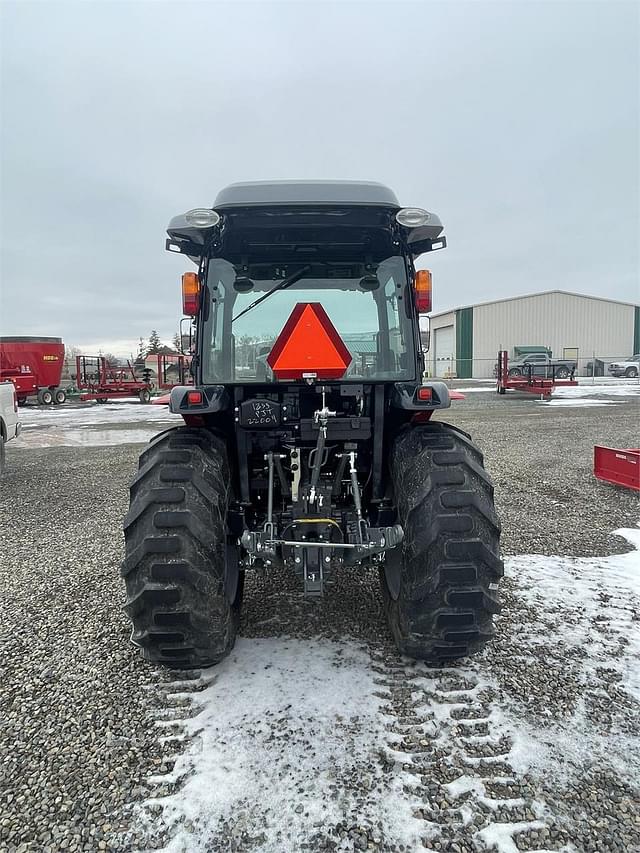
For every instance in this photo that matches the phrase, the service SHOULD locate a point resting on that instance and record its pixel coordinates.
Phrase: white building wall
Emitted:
(554, 320)
(439, 322)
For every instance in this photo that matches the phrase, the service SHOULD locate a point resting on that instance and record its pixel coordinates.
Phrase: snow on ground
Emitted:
(575, 392)
(92, 424)
(584, 395)
(590, 615)
(285, 733)
(281, 747)
(579, 403)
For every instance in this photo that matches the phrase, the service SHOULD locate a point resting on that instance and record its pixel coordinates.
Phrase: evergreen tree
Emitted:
(155, 344)
(142, 350)
(177, 342)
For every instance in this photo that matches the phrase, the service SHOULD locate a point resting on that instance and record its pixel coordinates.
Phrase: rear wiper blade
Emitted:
(286, 282)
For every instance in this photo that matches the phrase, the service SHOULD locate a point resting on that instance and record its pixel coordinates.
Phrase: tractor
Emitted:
(308, 441)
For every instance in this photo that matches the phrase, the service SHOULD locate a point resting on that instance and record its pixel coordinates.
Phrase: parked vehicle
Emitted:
(9, 423)
(311, 460)
(541, 364)
(630, 368)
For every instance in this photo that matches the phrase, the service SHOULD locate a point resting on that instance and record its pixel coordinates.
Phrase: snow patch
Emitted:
(594, 602)
(573, 392)
(285, 746)
(499, 836)
(581, 403)
(92, 425)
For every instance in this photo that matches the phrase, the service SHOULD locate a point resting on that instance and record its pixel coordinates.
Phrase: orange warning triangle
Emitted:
(309, 344)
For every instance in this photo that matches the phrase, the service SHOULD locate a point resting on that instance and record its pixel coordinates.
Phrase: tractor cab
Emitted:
(266, 249)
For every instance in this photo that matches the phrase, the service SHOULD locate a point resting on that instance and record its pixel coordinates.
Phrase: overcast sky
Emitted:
(516, 122)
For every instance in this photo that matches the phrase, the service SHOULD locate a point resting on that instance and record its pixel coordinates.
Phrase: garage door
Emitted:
(444, 350)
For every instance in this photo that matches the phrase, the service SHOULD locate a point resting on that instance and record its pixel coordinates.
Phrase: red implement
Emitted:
(31, 363)
(621, 467)
(101, 381)
(173, 369)
(528, 382)
(161, 401)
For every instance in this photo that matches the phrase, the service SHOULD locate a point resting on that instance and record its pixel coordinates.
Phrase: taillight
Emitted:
(422, 288)
(190, 293)
(194, 398)
(424, 394)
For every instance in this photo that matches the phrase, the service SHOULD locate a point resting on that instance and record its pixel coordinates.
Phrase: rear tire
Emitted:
(440, 585)
(45, 397)
(562, 373)
(184, 589)
(631, 372)
(60, 396)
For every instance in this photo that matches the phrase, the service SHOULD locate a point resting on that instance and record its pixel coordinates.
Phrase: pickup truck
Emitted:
(542, 365)
(9, 424)
(629, 368)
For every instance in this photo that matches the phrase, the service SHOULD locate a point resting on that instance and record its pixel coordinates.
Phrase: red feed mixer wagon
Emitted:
(34, 365)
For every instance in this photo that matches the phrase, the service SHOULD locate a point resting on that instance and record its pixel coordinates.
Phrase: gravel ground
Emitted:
(78, 705)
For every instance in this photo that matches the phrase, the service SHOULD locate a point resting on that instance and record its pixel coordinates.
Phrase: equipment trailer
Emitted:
(528, 381)
(101, 382)
(296, 453)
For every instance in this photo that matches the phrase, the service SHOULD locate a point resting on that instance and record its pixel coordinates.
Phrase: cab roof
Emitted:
(349, 219)
(275, 193)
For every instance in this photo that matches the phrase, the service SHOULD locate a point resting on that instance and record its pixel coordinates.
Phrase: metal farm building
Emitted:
(464, 342)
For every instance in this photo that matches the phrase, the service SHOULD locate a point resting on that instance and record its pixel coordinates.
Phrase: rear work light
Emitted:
(202, 217)
(190, 293)
(422, 288)
(412, 217)
(194, 398)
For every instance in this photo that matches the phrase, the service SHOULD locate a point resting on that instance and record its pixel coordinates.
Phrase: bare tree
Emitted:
(69, 365)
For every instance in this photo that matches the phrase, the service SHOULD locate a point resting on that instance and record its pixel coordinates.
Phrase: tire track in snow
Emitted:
(452, 744)
(285, 750)
(412, 757)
